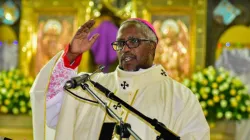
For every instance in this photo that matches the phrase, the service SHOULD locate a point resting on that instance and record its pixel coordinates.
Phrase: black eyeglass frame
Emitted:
(124, 42)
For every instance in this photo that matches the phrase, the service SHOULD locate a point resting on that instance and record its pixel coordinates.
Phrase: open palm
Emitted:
(80, 42)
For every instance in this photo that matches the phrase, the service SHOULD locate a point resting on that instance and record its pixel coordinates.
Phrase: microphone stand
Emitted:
(123, 126)
(165, 133)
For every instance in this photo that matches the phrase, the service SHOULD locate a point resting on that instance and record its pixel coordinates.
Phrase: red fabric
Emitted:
(67, 64)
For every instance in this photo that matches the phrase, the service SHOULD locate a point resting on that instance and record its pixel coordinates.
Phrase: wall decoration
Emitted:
(53, 34)
(9, 12)
(225, 12)
(175, 31)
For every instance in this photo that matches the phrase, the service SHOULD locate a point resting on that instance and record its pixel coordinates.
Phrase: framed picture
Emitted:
(53, 33)
(44, 32)
(175, 49)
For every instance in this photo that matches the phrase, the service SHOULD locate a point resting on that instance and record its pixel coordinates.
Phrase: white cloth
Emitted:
(9, 56)
(37, 96)
(55, 94)
(237, 61)
(150, 91)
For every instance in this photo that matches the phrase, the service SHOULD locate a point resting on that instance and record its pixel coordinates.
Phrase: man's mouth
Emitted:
(128, 58)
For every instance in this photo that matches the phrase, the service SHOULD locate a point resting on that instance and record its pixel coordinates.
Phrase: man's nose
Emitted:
(125, 48)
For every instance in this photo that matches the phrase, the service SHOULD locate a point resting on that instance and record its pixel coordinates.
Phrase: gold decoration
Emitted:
(196, 10)
(122, 8)
(83, 10)
(7, 34)
(175, 30)
(33, 48)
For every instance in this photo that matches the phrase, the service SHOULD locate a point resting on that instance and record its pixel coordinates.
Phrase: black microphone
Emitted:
(107, 92)
(76, 81)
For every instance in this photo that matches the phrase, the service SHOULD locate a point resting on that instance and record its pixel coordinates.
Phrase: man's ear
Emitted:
(152, 47)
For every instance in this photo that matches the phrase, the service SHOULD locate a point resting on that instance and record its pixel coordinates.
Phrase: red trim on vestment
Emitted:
(67, 64)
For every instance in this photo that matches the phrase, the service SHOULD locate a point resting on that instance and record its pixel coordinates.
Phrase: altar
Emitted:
(16, 127)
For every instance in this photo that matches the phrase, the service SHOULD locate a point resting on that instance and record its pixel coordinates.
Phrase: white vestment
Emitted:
(37, 96)
(150, 91)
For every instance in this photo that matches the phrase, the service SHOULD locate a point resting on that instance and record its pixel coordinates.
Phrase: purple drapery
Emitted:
(102, 49)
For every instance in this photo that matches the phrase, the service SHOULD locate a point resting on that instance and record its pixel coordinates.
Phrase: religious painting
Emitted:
(174, 30)
(54, 32)
(45, 28)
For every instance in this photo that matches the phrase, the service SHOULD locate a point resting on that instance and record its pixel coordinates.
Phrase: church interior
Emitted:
(203, 44)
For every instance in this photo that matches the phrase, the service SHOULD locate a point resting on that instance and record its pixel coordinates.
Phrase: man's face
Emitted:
(132, 59)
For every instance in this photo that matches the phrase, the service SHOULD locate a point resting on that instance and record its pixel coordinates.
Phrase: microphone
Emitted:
(76, 81)
(107, 92)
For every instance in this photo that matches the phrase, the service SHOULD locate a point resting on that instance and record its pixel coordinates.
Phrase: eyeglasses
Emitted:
(131, 43)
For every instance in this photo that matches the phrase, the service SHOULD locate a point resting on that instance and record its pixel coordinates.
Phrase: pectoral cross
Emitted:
(116, 106)
(163, 72)
(124, 85)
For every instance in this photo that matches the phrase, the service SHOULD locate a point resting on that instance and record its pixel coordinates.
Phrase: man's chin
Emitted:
(129, 68)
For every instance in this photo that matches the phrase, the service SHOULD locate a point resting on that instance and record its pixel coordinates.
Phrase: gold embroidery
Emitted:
(131, 103)
(106, 113)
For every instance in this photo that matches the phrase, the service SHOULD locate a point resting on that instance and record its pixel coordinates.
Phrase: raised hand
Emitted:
(80, 42)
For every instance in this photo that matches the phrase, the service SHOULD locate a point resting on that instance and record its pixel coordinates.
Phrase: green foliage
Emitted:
(221, 96)
(14, 92)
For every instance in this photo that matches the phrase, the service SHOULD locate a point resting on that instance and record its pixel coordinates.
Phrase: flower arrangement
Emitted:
(222, 97)
(14, 92)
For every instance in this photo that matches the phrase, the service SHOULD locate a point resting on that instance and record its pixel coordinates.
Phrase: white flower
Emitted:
(3, 90)
(243, 108)
(211, 78)
(240, 92)
(197, 95)
(221, 88)
(215, 91)
(223, 103)
(223, 75)
(186, 82)
(29, 104)
(194, 89)
(23, 109)
(195, 77)
(207, 89)
(22, 103)
(15, 111)
(233, 99)
(226, 86)
(193, 84)
(1, 83)
(229, 79)
(238, 116)
(16, 95)
(219, 115)
(245, 90)
(211, 69)
(228, 115)
(9, 95)
(200, 76)
(203, 104)
(247, 102)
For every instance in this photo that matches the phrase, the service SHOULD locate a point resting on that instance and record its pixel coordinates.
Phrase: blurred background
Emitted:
(204, 44)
